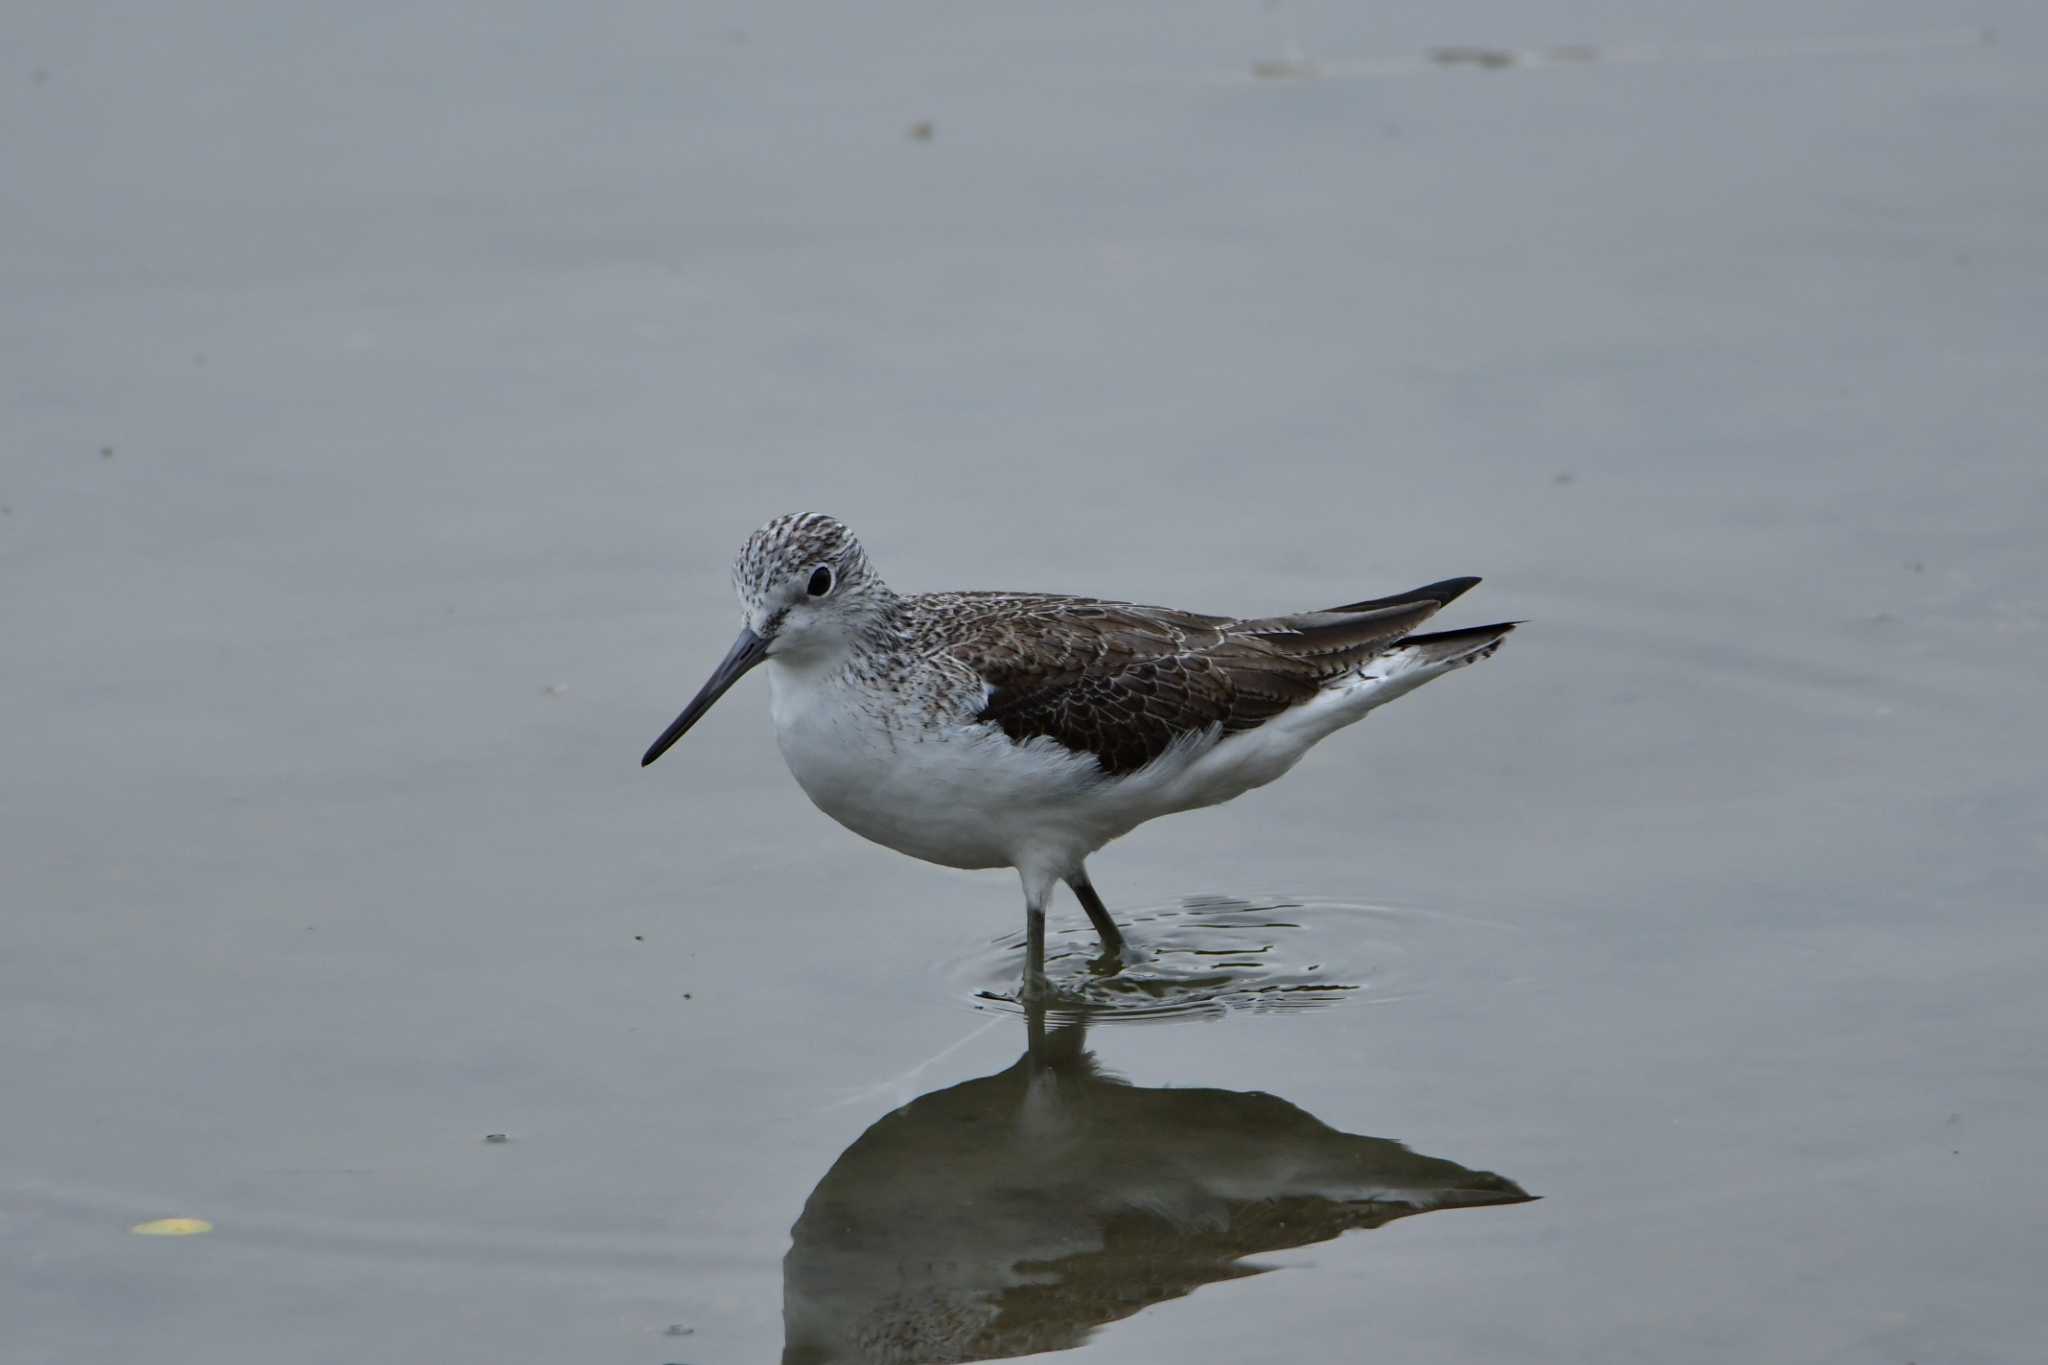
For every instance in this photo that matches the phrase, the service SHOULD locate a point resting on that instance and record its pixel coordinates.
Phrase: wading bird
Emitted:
(1027, 730)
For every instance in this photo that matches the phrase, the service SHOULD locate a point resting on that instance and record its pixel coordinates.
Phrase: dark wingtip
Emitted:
(1443, 593)
(1453, 588)
(1461, 633)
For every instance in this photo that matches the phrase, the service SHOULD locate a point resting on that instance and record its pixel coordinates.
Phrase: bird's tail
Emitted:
(1417, 659)
(1454, 648)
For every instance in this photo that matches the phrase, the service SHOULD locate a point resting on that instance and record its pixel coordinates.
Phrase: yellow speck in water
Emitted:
(172, 1227)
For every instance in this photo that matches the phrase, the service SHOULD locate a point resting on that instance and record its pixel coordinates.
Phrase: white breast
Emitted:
(935, 787)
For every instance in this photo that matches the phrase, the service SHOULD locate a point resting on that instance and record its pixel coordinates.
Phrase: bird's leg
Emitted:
(1034, 950)
(1105, 927)
(1037, 890)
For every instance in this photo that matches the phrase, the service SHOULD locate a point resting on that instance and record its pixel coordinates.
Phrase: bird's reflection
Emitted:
(1016, 1213)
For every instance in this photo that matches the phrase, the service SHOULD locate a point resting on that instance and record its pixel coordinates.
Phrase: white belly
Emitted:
(965, 795)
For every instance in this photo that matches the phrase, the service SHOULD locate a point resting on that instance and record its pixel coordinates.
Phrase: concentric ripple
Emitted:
(1206, 956)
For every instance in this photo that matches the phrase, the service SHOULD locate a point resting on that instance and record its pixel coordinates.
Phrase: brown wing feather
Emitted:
(1123, 682)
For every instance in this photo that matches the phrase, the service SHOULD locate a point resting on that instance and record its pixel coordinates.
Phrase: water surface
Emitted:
(386, 393)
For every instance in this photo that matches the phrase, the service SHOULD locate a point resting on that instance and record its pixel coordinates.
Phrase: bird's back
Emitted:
(1125, 683)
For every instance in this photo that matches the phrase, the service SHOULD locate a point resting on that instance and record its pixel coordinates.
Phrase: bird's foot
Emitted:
(1109, 963)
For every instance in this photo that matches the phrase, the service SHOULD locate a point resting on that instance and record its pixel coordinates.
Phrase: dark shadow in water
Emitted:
(1018, 1212)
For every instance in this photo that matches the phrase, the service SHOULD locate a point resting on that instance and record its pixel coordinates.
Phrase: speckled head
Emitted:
(799, 559)
(806, 591)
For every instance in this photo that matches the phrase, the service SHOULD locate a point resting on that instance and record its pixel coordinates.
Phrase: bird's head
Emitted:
(805, 588)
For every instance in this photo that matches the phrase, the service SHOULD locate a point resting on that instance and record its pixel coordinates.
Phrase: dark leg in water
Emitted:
(1034, 952)
(1105, 927)
(1037, 891)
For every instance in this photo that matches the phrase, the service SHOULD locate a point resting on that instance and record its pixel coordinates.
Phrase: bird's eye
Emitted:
(821, 581)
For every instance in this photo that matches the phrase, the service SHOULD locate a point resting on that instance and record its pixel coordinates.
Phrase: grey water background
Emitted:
(386, 389)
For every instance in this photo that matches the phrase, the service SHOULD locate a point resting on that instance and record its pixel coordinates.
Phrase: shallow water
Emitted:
(386, 394)
(1205, 957)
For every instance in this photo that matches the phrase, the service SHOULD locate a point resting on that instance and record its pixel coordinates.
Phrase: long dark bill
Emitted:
(746, 651)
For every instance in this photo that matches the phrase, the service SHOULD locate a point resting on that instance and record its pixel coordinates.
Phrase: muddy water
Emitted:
(386, 395)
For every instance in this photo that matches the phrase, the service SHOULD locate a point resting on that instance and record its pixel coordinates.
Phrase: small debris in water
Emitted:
(496, 1139)
(555, 690)
(172, 1227)
(922, 131)
(639, 938)
(1563, 477)
(676, 1329)
(106, 452)
(1487, 58)
(1284, 69)
(1916, 566)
